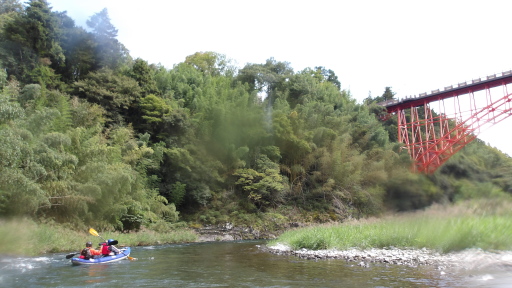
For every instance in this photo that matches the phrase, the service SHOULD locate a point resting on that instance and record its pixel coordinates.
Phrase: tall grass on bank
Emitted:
(27, 238)
(483, 224)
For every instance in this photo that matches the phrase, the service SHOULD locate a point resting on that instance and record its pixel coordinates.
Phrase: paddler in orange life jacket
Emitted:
(88, 252)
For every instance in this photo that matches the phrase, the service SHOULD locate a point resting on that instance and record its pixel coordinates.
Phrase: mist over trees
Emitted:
(89, 135)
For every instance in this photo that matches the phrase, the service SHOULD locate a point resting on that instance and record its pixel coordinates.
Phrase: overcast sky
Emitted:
(411, 46)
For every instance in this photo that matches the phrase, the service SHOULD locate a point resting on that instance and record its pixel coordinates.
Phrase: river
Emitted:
(232, 264)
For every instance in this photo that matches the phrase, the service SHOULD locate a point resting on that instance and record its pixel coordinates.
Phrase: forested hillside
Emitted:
(89, 135)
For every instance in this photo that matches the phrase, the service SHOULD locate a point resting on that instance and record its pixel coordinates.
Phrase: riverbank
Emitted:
(468, 259)
(483, 224)
(445, 228)
(229, 232)
(363, 257)
(473, 233)
(24, 237)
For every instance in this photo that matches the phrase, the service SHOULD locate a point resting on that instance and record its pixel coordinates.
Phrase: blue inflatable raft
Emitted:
(125, 252)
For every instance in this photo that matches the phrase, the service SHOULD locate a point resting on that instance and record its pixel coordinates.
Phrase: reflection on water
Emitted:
(96, 273)
(235, 264)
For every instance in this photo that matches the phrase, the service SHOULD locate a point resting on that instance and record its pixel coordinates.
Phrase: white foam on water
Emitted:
(23, 267)
(507, 257)
(281, 247)
(43, 259)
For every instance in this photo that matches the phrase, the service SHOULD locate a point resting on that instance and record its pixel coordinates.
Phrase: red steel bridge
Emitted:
(434, 126)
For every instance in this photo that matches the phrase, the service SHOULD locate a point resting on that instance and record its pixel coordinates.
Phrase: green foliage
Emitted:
(41, 171)
(115, 93)
(265, 186)
(3, 79)
(19, 195)
(37, 29)
(109, 52)
(9, 6)
(90, 136)
(440, 228)
(61, 102)
(24, 237)
(9, 110)
(210, 63)
(30, 94)
(154, 109)
(177, 193)
(32, 38)
(266, 78)
(85, 114)
(412, 191)
(467, 190)
(79, 50)
(144, 75)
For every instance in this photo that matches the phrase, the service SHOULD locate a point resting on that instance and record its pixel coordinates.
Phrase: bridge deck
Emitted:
(450, 91)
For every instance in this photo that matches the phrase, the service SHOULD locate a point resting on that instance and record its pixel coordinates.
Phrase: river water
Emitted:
(231, 264)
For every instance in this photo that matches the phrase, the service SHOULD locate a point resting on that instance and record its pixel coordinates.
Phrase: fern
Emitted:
(64, 121)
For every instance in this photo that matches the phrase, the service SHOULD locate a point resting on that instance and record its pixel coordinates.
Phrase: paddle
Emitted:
(71, 255)
(93, 232)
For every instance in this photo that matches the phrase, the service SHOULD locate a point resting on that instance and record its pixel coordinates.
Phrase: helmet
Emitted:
(88, 244)
(109, 241)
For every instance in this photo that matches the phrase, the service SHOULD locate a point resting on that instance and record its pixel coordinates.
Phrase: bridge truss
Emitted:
(435, 126)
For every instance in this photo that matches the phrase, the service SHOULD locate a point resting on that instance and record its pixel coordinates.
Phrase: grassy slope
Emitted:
(24, 237)
(485, 224)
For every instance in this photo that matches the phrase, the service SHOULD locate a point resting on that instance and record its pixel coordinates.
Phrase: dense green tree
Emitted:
(8, 6)
(156, 116)
(264, 187)
(328, 75)
(265, 78)
(185, 82)
(310, 86)
(109, 52)
(3, 79)
(163, 80)
(31, 44)
(79, 50)
(115, 93)
(211, 63)
(37, 28)
(9, 110)
(144, 75)
(388, 94)
(390, 123)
